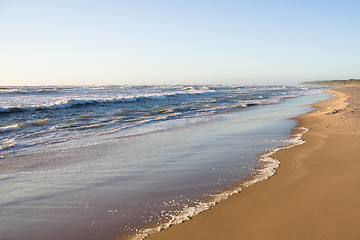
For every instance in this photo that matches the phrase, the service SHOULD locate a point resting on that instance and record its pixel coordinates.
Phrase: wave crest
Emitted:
(73, 102)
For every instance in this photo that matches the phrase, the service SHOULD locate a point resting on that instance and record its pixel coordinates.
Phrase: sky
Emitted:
(146, 42)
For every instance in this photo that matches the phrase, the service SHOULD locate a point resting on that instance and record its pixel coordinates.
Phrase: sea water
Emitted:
(100, 162)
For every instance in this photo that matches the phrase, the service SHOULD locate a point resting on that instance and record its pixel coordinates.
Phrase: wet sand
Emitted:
(315, 193)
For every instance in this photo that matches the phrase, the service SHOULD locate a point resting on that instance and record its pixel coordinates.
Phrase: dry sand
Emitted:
(315, 193)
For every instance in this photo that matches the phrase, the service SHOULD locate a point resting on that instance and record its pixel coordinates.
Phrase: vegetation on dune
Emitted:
(349, 82)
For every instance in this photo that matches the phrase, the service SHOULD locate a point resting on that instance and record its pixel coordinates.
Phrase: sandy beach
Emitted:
(315, 193)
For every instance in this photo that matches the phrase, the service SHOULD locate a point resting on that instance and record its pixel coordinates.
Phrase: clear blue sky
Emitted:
(45, 42)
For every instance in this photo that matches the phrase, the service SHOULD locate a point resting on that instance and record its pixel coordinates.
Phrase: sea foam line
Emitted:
(268, 169)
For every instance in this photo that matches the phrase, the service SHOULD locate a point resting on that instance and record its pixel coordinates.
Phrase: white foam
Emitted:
(10, 128)
(69, 100)
(267, 170)
(8, 145)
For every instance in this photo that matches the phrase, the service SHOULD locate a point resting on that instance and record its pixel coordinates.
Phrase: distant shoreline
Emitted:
(349, 82)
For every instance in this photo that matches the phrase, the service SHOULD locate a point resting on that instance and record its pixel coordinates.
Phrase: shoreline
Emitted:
(175, 169)
(266, 168)
(264, 172)
(304, 199)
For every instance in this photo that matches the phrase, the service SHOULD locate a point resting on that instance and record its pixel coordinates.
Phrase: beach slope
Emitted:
(315, 193)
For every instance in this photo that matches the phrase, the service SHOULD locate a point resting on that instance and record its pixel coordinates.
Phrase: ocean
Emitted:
(103, 162)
